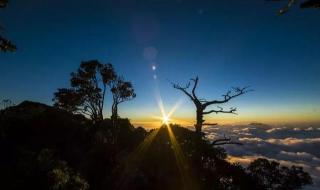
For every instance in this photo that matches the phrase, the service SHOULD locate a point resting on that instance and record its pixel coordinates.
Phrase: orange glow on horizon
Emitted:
(156, 121)
(272, 115)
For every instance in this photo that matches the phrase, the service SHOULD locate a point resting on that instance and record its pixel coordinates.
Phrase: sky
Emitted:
(153, 43)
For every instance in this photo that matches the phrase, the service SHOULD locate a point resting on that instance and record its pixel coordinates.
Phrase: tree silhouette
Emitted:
(202, 104)
(270, 175)
(303, 4)
(121, 91)
(4, 104)
(5, 44)
(310, 4)
(88, 88)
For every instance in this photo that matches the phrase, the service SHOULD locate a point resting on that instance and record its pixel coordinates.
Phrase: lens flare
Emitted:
(165, 120)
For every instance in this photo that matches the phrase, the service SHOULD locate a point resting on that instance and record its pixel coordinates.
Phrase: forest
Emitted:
(72, 146)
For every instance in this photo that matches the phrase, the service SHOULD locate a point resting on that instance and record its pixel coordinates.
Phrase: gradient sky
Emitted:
(226, 43)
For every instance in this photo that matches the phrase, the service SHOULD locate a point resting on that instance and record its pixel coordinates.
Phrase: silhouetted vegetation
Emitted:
(270, 175)
(45, 147)
(5, 104)
(121, 91)
(201, 104)
(5, 44)
(88, 89)
(303, 4)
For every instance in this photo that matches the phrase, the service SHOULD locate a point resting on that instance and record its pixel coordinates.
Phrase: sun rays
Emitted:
(166, 118)
(131, 163)
(181, 160)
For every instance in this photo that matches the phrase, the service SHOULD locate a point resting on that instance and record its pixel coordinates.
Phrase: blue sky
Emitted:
(226, 43)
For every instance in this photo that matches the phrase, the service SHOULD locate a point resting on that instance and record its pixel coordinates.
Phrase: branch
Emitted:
(286, 7)
(210, 124)
(232, 110)
(194, 87)
(6, 45)
(84, 112)
(183, 89)
(125, 99)
(235, 92)
(202, 100)
(224, 141)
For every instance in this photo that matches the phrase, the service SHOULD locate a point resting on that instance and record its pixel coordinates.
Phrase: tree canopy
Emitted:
(121, 91)
(88, 88)
(89, 85)
(5, 44)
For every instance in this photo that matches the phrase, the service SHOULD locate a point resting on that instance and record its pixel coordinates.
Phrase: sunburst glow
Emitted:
(165, 120)
(166, 117)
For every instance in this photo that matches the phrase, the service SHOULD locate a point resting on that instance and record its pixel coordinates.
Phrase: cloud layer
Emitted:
(289, 145)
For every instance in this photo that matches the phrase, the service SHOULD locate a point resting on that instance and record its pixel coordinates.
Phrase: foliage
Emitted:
(121, 91)
(270, 175)
(43, 147)
(303, 4)
(60, 175)
(5, 44)
(88, 88)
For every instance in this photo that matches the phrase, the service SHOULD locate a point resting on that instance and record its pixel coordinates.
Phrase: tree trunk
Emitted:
(114, 116)
(200, 120)
(100, 116)
(114, 121)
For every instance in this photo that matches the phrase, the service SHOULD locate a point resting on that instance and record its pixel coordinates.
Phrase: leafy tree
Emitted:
(88, 88)
(69, 100)
(270, 175)
(5, 44)
(121, 91)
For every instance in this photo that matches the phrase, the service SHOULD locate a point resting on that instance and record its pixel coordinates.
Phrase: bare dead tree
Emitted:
(202, 104)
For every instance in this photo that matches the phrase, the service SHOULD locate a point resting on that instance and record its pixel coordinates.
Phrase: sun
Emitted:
(165, 120)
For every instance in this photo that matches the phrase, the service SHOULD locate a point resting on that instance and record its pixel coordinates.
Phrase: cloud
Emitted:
(293, 141)
(299, 157)
(273, 130)
(289, 145)
(254, 139)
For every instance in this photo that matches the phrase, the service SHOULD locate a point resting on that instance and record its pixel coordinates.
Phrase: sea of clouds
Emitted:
(289, 145)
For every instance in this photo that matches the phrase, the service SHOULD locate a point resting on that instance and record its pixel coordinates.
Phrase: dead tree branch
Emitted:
(201, 104)
(225, 140)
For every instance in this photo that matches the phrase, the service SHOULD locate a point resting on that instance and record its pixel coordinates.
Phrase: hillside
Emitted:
(48, 148)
